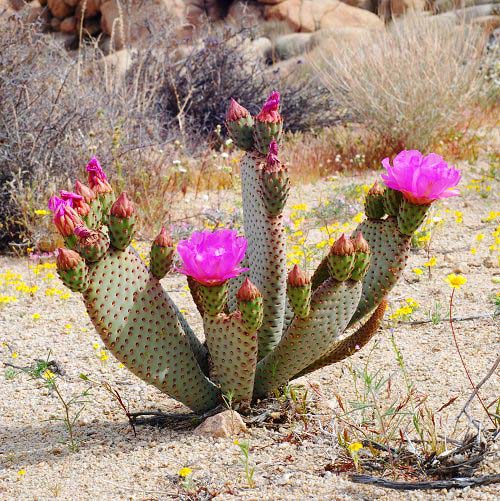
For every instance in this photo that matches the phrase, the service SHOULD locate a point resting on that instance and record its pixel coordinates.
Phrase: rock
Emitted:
(119, 62)
(330, 36)
(261, 48)
(88, 8)
(59, 8)
(397, 8)
(68, 25)
(223, 425)
(309, 15)
(55, 23)
(293, 44)
(16, 4)
(370, 5)
(72, 3)
(243, 12)
(468, 14)
(284, 69)
(487, 23)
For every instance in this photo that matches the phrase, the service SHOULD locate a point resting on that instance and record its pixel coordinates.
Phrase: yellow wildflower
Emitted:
(14, 354)
(355, 446)
(418, 271)
(21, 473)
(480, 237)
(358, 217)
(432, 262)
(48, 375)
(35, 316)
(184, 472)
(41, 212)
(473, 251)
(455, 281)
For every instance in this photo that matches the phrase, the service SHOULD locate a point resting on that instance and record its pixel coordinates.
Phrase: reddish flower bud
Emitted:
(67, 259)
(269, 112)
(360, 244)
(272, 160)
(84, 191)
(163, 239)
(376, 189)
(76, 201)
(98, 180)
(342, 246)
(236, 111)
(248, 291)
(86, 237)
(66, 220)
(123, 207)
(298, 278)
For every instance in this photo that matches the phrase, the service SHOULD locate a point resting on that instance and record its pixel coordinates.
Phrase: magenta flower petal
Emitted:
(421, 179)
(211, 258)
(94, 166)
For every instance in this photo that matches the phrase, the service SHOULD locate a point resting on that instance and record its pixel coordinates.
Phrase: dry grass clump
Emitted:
(409, 84)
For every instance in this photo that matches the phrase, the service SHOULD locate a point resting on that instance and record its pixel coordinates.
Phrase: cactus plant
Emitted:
(264, 325)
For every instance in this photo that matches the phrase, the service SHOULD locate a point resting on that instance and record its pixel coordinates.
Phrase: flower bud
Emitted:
(360, 244)
(272, 161)
(270, 111)
(248, 291)
(66, 219)
(299, 292)
(239, 124)
(123, 207)
(268, 124)
(98, 180)
(376, 189)
(84, 191)
(67, 259)
(342, 246)
(236, 111)
(76, 201)
(297, 277)
(163, 239)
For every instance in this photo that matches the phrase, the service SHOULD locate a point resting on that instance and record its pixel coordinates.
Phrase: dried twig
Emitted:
(454, 319)
(455, 483)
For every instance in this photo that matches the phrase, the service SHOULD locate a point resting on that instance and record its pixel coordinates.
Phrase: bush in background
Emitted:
(411, 83)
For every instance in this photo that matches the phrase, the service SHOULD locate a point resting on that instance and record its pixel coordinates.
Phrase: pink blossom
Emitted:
(66, 219)
(421, 179)
(211, 258)
(98, 180)
(269, 112)
(272, 159)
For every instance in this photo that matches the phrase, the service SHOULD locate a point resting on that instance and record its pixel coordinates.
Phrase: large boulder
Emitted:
(312, 15)
(245, 12)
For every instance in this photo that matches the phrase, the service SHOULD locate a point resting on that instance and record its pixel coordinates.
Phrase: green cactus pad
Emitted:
(275, 190)
(300, 299)
(251, 314)
(266, 253)
(160, 260)
(96, 248)
(332, 306)
(138, 324)
(106, 200)
(392, 201)
(340, 267)
(121, 231)
(70, 242)
(213, 298)
(389, 253)
(241, 132)
(374, 206)
(350, 344)
(361, 264)
(411, 216)
(233, 351)
(75, 279)
(264, 133)
(96, 210)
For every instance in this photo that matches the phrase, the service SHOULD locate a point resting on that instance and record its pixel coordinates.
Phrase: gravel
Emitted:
(113, 464)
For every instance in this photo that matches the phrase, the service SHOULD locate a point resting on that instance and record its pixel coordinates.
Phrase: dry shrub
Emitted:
(409, 84)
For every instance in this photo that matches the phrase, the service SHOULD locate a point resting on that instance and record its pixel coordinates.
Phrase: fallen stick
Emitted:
(454, 483)
(454, 319)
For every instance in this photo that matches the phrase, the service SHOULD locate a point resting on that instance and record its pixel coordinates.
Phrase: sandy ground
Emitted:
(111, 463)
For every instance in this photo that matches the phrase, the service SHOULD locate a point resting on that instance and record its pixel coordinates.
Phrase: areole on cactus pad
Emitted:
(264, 325)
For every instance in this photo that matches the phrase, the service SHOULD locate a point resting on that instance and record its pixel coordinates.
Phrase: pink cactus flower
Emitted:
(55, 202)
(98, 180)
(421, 179)
(269, 112)
(66, 219)
(211, 258)
(76, 201)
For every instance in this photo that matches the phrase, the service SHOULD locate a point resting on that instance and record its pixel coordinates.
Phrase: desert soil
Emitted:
(111, 463)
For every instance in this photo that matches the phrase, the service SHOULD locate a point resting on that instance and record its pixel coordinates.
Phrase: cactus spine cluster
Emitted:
(263, 328)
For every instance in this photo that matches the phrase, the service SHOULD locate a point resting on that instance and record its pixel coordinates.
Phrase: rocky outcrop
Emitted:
(313, 15)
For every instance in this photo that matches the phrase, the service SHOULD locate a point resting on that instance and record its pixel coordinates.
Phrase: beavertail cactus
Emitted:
(264, 325)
